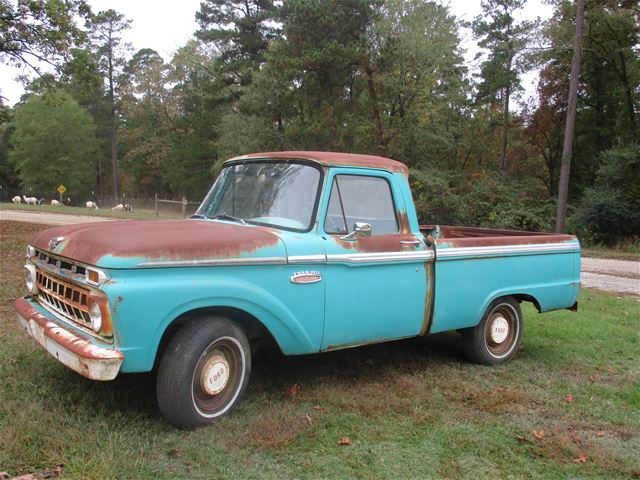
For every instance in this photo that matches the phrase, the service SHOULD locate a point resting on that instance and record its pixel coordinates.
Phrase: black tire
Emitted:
(203, 372)
(496, 339)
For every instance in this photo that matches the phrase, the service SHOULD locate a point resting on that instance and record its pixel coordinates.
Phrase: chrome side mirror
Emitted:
(360, 229)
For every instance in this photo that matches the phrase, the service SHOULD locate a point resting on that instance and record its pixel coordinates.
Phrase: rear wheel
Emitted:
(203, 373)
(497, 337)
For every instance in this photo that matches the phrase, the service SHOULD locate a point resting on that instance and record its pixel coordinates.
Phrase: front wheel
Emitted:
(497, 337)
(203, 373)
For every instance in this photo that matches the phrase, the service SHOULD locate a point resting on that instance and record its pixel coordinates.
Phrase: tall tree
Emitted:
(54, 141)
(106, 35)
(240, 31)
(150, 110)
(415, 81)
(81, 77)
(567, 147)
(505, 39)
(35, 31)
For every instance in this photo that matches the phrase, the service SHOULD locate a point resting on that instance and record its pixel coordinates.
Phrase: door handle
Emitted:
(413, 243)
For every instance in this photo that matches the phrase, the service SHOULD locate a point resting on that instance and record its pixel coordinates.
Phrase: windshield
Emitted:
(280, 194)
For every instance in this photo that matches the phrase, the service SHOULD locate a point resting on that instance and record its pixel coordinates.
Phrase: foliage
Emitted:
(33, 31)
(384, 77)
(54, 143)
(610, 208)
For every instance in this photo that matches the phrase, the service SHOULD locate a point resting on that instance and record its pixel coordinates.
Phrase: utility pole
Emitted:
(567, 148)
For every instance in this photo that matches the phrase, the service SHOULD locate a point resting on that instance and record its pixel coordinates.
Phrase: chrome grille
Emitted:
(66, 299)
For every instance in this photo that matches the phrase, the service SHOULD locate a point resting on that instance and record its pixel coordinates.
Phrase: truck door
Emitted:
(378, 270)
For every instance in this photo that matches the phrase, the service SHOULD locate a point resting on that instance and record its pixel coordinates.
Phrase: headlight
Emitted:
(30, 278)
(31, 251)
(95, 315)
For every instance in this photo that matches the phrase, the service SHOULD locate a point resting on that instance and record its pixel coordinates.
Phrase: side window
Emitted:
(356, 198)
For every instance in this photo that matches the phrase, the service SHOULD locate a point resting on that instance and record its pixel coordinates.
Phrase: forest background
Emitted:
(367, 76)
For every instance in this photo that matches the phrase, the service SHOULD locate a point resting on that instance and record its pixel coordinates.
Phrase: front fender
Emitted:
(143, 308)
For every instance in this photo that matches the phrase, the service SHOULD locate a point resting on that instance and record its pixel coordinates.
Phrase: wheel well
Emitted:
(256, 332)
(527, 298)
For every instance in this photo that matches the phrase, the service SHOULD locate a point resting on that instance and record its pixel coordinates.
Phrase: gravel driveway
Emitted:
(618, 276)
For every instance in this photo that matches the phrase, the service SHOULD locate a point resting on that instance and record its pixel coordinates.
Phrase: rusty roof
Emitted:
(335, 159)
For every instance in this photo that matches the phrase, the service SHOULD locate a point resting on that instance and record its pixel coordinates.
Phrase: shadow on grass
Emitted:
(273, 373)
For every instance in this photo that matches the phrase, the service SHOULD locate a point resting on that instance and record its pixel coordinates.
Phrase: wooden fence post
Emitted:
(184, 207)
(156, 205)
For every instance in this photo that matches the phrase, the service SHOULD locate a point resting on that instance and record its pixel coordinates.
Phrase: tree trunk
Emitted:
(114, 141)
(567, 148)
(505, 129)
(375, 110)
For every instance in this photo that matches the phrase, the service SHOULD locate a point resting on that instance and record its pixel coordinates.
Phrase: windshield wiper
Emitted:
(224, 216)
(198, 215)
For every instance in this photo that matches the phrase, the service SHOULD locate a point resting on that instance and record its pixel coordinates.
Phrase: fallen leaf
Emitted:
(174, 452)
(344, 441)
(569, 398)
(636, 474)
(320, 409)
(520, 438)
(294, 390)
(539, 434)
(581, 458)
(600, 433)
(308, 418)
(592, 378)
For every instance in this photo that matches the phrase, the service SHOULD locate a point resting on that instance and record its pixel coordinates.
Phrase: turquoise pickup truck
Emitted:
(308, 251)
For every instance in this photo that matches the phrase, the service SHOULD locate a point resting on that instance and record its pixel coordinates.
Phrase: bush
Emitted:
(480, 199)
(609, 211)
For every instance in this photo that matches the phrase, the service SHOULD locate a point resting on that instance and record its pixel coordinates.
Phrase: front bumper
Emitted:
(70, 348)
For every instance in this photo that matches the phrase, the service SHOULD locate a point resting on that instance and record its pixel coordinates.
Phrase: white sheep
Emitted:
(30, 200)
(55, 203)
(118, 207)
(17, 200)
(93, 205)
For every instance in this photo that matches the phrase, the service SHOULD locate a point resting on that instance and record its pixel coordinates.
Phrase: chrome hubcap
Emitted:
(215, 374)
(499, 330)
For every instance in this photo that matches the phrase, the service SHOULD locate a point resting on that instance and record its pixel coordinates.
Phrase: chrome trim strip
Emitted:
(499, 250)
(217, 262)
(296, 259)
(419, 256)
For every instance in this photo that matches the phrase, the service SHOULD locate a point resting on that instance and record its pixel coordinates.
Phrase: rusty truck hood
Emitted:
(129, 244)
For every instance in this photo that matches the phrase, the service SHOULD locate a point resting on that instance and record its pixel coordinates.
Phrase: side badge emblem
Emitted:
(54, 242)
(306, 276)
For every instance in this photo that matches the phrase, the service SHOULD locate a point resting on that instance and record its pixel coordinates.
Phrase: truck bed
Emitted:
(453, 236)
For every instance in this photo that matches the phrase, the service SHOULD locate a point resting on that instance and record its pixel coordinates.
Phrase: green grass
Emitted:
(102, 212)
(413, 409)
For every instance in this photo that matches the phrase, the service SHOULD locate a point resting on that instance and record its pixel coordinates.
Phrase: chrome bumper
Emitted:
(69, 348)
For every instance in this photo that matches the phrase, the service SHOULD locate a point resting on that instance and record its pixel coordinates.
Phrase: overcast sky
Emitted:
(158, 24)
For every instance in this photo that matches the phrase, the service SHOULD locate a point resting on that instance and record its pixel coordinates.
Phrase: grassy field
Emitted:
(568, 406)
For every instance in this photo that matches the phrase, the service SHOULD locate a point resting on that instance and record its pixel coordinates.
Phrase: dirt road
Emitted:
(48, 218)
(618, 276)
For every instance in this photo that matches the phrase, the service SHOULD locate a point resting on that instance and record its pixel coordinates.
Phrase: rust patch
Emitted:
(335, 159)
(73, 342)
(154, 240)
(428, 299)
(403, 221)
(377, 243)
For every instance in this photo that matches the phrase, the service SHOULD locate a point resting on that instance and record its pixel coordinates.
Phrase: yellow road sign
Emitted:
(62, 189)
